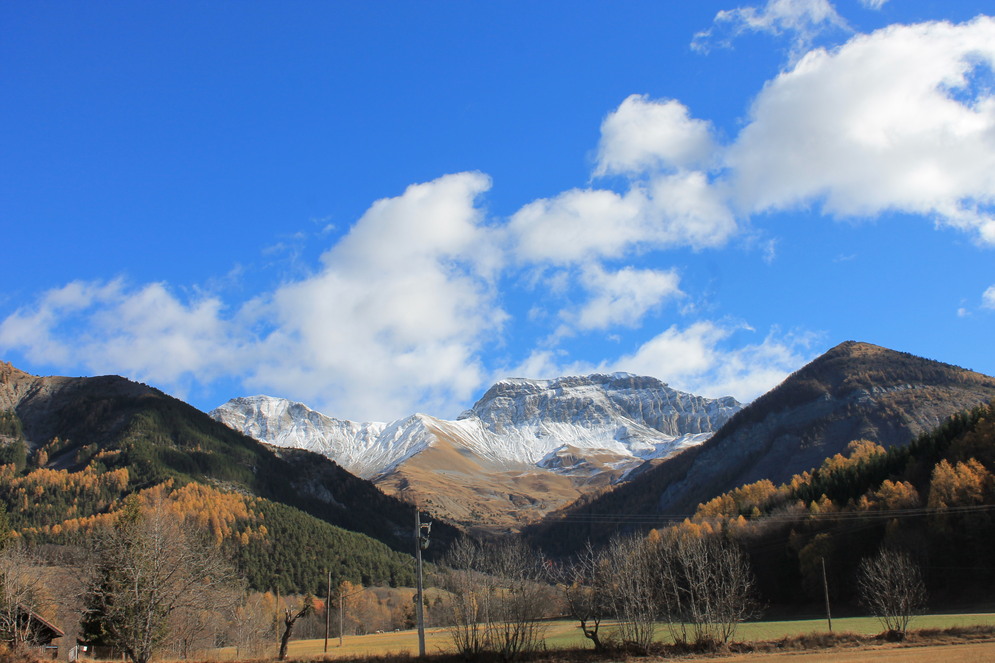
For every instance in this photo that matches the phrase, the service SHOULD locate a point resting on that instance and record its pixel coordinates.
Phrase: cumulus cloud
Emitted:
(891, 121)
(578, 225)
(644, 135)
(145, 332)
(625, 296)
(694, 359)
(899, 120)
(800, 20)
(670, 200)
(394, 320)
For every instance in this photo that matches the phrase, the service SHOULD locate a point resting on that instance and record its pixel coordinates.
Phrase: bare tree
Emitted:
(497, 598)
(250, 626)
(194, 628)
(585, 585)
(891, 586)
(632, 591)
(21, 593)
(707, 588)
(147, 568)
(470, 590)
(290, 617)
(516, 625)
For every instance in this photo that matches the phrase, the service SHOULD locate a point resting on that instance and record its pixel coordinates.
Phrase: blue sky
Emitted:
(382, 208)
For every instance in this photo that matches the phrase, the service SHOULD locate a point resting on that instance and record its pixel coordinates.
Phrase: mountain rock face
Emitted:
(854, 391)
(526, 447)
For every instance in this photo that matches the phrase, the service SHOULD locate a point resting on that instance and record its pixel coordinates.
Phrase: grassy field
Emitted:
(563, 634)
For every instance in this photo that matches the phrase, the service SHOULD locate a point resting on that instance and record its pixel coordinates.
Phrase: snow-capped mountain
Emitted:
(517, 422)
(588, 430)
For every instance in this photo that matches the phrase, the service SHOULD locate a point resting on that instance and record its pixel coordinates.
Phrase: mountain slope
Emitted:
(934, 497)
(853, 391)
(108, 424)
(525, 448)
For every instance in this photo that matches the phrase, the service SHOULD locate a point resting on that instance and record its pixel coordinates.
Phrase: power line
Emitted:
(673, 518)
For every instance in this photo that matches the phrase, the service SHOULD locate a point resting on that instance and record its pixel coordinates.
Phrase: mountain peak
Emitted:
(566, 433)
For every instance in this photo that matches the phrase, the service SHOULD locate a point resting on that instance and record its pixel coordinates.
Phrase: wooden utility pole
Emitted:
(328, 607)
(420, 607)
(825, 589)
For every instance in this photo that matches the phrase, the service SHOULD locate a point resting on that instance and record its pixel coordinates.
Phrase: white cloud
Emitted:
(670, 201)
(395, 319)
(146, 333)
(686, 209)
(801, 20)
(647, 135)
(873, 4)
(988, 298)
(677, 354)
(694, 359)
(578, 225)
(699, 359)
(625, 296)
(888, 122)
(391, 323)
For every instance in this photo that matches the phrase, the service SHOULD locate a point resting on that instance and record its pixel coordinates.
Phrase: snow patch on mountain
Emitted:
(571, 425)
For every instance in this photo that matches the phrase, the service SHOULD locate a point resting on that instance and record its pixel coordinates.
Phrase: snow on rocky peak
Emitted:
(557, 425)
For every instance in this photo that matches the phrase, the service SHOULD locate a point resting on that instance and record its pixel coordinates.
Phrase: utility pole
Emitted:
(340, 616)
(421, 543)
(328, 607)
(825, 589)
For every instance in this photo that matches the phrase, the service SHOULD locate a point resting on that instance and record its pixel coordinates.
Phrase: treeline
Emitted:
(934, 498)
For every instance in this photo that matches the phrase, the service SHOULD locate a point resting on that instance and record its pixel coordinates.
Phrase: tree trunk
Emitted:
(286, 637)
(289, 619)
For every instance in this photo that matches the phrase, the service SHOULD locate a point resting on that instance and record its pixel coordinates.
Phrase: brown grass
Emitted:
(971, 644)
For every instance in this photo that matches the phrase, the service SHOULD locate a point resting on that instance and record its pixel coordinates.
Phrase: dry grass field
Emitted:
(565, 634)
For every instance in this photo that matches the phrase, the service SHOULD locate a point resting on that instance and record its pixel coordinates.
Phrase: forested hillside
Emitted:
(934, 498)
(72, 448)
(274, 546)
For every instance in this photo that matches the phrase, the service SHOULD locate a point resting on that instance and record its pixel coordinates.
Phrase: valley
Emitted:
(860, 451)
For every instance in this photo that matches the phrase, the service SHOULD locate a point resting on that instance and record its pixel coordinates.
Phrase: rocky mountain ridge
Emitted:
(516, 422)
(561, 437)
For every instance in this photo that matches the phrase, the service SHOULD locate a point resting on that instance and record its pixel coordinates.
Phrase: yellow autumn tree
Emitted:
(896, 495)
(962, 484)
